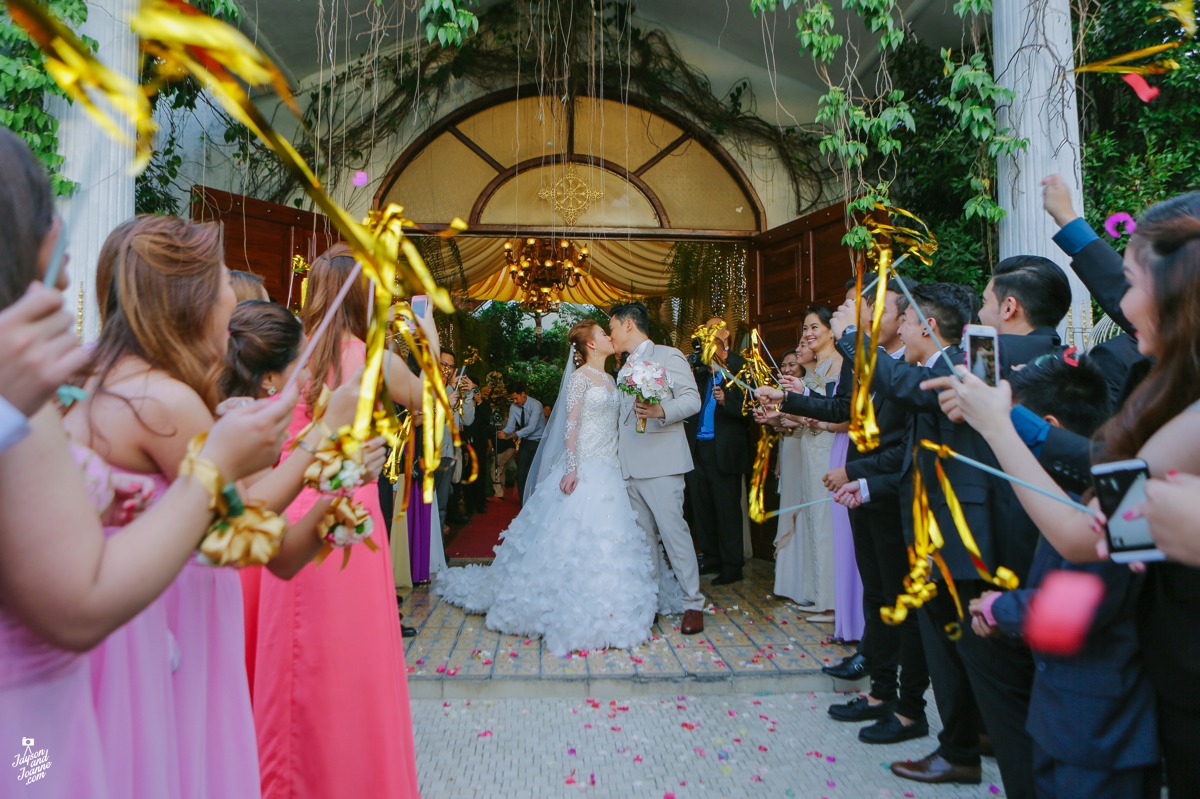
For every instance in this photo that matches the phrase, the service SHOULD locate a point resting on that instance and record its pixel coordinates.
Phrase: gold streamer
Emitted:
(917, 241)
(79, 73)
(755, 372)
(1185, 12)
(1004, 578)
(708, 341)
(758, 480)
(1120, 64)
(927, 543)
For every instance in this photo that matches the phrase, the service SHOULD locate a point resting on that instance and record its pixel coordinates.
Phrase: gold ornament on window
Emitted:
(571, 195)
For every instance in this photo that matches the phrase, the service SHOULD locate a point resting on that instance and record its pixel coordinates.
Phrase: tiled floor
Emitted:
(752, 642)
(757, 746)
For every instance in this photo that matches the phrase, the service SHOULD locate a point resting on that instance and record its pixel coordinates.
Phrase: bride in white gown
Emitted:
(573, 567)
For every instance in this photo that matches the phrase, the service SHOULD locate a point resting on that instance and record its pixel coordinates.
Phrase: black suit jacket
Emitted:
(1102, 691)
(883, 462)
(1003, 531)
(730, 422)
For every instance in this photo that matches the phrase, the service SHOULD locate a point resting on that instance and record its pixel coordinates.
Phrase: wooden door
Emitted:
(262, 237)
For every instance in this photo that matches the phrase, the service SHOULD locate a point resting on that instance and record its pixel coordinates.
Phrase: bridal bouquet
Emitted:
(646, 381)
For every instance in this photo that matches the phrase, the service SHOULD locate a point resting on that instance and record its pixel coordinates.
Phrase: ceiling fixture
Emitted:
(543, 269)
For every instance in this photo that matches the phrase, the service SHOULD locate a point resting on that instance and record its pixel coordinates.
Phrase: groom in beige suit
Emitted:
(654, 463)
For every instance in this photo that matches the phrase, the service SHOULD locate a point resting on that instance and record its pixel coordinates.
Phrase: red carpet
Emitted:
(479, 538)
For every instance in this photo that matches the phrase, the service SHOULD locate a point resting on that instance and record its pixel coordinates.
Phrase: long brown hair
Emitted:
(325, 279)
(158, 278)
(26, 215)
(1167, 245)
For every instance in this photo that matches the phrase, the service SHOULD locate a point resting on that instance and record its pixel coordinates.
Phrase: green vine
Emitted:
(447, 21)
(866, 128)
(26, 86)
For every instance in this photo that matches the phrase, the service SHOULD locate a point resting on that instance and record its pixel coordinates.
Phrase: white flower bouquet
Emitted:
(646, 381)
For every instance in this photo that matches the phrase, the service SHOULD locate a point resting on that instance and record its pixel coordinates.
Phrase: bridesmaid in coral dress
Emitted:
(331, 688)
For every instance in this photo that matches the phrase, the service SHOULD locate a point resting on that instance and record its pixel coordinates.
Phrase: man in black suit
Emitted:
(721, 452)
(1026, 297)
(891, 655)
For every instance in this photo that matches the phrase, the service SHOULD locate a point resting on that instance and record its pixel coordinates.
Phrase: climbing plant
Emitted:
(25, 88)
(867, 125)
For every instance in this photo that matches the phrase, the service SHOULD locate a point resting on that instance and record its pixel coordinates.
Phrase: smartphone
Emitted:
(420, 306)
(983, 353)
(1120, 486)
(420, 309)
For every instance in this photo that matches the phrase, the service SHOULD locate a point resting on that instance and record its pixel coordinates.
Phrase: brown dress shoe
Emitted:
(935, 768)
(693, 622)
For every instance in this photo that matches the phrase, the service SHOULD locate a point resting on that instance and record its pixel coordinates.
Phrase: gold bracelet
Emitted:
(207, 474)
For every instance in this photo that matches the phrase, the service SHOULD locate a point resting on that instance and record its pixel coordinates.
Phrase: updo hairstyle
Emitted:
(580, 335)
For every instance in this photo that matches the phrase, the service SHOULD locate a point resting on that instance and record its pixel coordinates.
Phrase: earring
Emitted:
(271, 391)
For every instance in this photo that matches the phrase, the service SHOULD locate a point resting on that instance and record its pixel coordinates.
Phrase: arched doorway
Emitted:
(625, 177)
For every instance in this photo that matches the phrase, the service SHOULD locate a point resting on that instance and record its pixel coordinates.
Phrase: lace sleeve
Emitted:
(576, 391)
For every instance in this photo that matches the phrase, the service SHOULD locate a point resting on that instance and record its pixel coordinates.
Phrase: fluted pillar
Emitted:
(1034, 49)
(96, 162)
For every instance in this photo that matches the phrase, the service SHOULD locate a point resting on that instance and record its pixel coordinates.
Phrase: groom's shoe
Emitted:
(708, 566)
(726, 579)
(693, 622)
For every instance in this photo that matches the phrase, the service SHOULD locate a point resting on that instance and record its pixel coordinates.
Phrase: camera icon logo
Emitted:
(26, 742)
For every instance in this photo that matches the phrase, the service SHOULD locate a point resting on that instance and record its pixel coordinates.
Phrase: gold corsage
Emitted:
(345, 524)
(242, 534)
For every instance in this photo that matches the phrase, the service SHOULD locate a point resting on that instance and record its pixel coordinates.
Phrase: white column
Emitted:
(95, 161)
(1034, 50)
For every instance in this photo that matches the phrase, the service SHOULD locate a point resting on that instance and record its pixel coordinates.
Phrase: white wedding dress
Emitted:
(574, 568)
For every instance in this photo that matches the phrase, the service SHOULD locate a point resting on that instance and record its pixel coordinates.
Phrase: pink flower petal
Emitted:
(361, 179)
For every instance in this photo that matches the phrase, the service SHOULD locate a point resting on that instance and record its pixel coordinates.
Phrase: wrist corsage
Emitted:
(241, 534)
(345, 524)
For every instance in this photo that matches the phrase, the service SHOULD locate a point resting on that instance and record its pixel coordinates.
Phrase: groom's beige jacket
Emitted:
(663, 449)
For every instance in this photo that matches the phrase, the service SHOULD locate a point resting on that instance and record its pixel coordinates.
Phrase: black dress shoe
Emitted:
(708, 566)
(861, 709)
(935, 768)
(726, 579)
(408, 632)
(851, 668)
(892, 731)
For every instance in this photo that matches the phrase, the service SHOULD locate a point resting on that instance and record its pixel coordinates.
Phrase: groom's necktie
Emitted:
(521, 417)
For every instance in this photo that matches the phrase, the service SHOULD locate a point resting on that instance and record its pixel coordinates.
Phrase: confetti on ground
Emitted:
(361, 179)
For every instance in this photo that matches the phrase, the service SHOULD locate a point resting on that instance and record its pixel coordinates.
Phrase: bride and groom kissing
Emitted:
(582, 565)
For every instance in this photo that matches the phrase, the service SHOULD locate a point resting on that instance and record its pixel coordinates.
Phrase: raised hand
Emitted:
(843, 318)
(1056, 199)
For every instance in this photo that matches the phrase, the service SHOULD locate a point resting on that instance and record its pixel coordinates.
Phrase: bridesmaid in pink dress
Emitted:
(331, 688)
(171, 684)
(64, 586)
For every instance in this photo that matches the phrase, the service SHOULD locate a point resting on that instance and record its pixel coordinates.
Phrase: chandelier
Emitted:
(543, 269)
